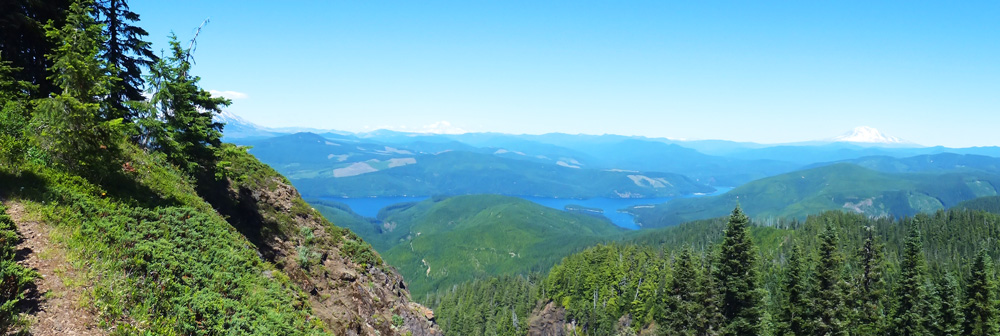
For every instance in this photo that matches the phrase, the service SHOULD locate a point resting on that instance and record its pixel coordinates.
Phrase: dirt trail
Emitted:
(54, 305)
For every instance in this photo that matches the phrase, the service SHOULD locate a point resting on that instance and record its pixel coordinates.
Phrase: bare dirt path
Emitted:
(54, 305)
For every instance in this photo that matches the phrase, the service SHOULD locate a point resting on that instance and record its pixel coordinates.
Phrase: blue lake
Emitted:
(370, 206)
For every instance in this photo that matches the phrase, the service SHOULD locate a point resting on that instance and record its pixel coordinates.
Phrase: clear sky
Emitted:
(768, 72)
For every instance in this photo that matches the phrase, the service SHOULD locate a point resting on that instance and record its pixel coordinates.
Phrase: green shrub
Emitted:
(360, 252)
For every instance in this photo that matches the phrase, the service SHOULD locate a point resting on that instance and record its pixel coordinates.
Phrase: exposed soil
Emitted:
(53, 305)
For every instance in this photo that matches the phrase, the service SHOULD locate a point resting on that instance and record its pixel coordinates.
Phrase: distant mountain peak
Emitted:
(229, 117)
(865, 134)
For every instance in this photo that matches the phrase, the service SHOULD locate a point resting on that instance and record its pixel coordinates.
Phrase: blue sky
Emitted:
(767, 72)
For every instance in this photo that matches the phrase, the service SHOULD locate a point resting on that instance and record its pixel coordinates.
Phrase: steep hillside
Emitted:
(838, 186)
(241, 253)
(445, 241)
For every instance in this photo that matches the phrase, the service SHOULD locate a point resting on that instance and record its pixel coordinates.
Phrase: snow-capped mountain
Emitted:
(869, 135)
(237, 127)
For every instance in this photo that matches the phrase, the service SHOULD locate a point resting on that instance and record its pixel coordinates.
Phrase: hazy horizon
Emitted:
(764, 72)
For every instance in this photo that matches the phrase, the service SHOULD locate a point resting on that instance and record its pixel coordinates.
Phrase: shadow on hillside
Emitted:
(26, 185)
(127, 190)
(241, 210)
(118, 186)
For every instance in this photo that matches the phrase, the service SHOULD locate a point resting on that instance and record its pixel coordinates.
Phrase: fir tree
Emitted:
(183, 127)
(711, 299)
(684, 306)
(68, 125)
(126, 55)
(24, 42)
(741, 300)
(14, 116)
(795, 306)
(932, 307)
(830, 288)
(871, 287)
(950, 314)
(910, 311)
(981, 303)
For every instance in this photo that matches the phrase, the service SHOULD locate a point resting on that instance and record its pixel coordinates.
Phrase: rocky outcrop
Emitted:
(550, 320)
(351, 295)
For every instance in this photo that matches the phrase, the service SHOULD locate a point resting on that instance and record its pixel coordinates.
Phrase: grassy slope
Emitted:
(801, 193)
(165, 261)
(464, 237)
(161, 257)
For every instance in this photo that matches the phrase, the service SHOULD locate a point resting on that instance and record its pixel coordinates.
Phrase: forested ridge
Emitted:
(833, 274)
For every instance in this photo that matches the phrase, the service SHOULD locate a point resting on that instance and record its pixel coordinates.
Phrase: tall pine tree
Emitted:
(126, 54)
(183, 127)
(68, 125)
(830, 290)
(871, 286)
(794, 317)
(950, 316)
(981, 317)
(910, 312)
(684, 309)
(14, 116)
(741, 298)
(24, 42)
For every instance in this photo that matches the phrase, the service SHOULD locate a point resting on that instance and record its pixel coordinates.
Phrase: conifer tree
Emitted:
(910, 312)
(183, 127)
(950, 313)
(932, 307)
(871, 287)
(981, 303)
(126, 54)
(741, 298)
(685, 313)
(14, 115)
(711, 299)
(24, 42)
(794, 318)
(830, 289)
(68, 125)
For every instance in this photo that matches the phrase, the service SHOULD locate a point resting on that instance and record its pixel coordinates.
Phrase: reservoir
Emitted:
(369, 206)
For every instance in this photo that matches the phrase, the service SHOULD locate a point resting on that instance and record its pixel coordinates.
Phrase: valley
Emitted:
(454, 217)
